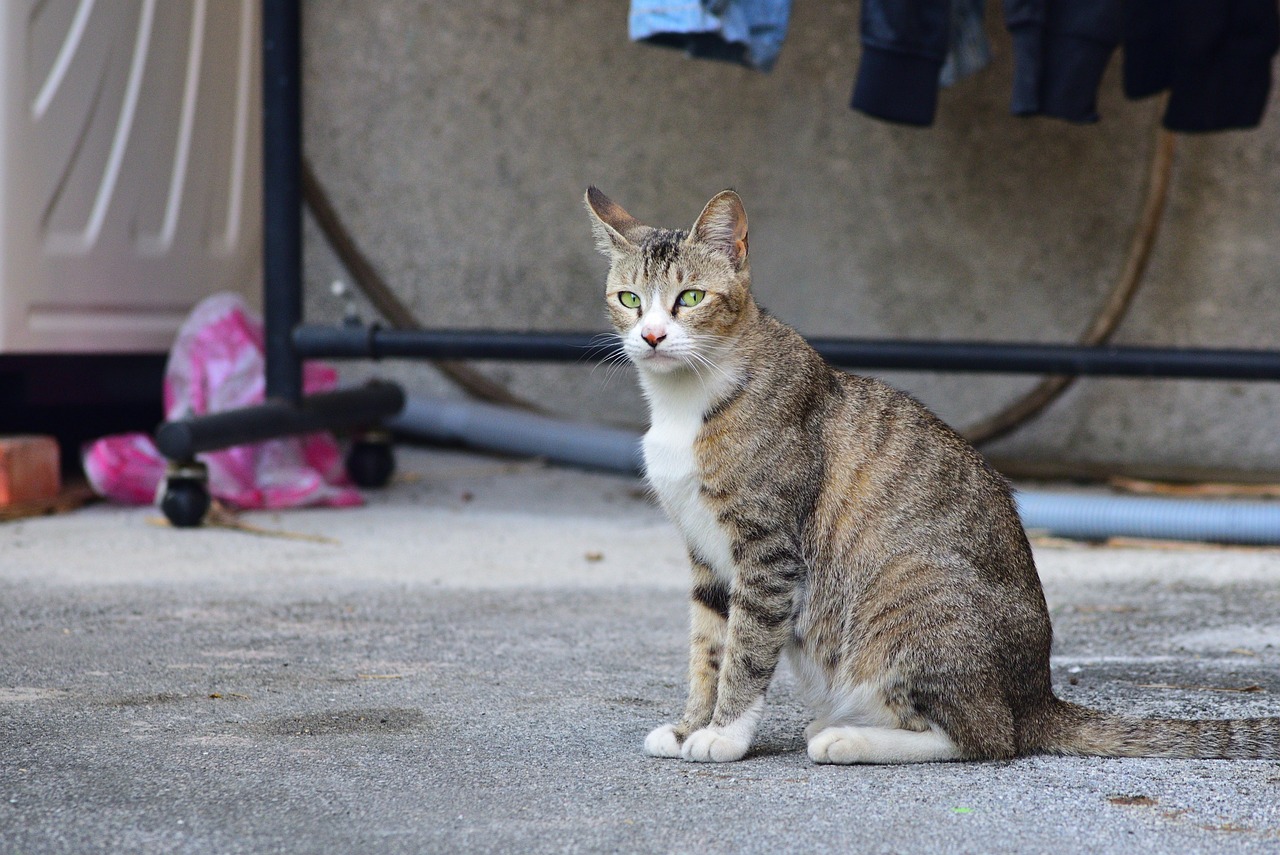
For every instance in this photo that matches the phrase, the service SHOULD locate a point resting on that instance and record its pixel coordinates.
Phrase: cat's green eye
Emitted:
(691, 298)
(629, 299)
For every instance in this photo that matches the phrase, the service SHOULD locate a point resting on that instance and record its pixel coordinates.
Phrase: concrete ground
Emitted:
(470, 663)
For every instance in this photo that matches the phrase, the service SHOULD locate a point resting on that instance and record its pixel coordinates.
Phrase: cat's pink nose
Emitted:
(653, 336)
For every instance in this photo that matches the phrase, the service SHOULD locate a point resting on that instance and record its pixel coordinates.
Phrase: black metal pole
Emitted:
(282, 194)
(343, 408)
(285, 412)
(1066, 359)
(315, 341)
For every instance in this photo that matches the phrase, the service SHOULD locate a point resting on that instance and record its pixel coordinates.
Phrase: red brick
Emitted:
(28, 470)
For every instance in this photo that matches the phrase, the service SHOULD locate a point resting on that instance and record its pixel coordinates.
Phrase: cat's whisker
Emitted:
(697, 365)
(617, 358)
(607, 350)
(703, 380)
(608, 343)
(613, 369)
(699, 361)
(612, 363)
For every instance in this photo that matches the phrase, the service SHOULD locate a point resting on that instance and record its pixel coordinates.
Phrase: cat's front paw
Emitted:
(712, 745)
(662, 742)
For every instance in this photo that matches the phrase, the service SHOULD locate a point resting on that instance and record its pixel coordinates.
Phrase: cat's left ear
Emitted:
(614, 227)
(723, 226)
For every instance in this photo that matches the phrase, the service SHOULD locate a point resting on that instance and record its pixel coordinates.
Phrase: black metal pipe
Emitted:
(1064, 359)
(315, 341)
(346, 342)
(368, 405)
(282, 194)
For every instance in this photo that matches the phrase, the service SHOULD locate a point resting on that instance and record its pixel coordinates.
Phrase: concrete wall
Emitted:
(457, 136)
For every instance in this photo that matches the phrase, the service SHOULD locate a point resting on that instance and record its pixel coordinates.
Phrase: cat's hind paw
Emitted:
(713, 745)
(842, 745)
(662, 742)
(847, 745)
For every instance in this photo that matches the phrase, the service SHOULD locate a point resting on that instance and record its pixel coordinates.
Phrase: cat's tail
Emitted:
(1066, 728)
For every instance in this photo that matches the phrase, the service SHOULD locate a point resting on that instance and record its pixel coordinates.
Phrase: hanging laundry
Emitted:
(909, 49)
(968, 51)
(749, 32)
(1215, 59)
(1060, 50)
(903, 47)
(1148, 47)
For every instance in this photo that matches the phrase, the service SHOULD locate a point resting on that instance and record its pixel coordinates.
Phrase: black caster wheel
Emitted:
(371, 460)
(186, 495)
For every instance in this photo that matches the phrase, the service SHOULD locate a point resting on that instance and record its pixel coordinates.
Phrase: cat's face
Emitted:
(673, 307)
(675, 297)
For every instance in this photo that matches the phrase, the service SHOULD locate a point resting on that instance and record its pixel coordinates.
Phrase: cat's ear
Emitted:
(723, 226)
(614, 227)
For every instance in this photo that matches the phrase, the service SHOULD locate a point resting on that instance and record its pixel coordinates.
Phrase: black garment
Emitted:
(904, 43)
(1214, 58)
(1060, 50)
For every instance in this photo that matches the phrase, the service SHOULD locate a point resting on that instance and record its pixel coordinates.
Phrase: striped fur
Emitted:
(834, 520)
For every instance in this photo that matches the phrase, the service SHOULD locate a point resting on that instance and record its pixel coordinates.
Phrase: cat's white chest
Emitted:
(672, 470)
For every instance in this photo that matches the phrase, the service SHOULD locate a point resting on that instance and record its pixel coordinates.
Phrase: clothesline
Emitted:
(1214, 59)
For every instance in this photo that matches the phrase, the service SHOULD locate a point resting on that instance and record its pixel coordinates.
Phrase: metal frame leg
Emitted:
(282, 194)
(286, 411)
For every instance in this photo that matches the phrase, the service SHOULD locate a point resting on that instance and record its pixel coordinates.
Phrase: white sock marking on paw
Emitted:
(724, 744)
(846, 745)
(662, 742)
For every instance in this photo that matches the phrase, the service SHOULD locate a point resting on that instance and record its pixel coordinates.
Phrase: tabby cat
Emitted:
(836, 520)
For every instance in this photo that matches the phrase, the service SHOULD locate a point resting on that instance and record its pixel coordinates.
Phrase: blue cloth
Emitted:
(749, 32)
(1060, 50)
(904, 43)
(910, 48)
(968, 51)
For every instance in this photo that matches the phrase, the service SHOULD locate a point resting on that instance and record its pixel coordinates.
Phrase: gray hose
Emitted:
(494, 428)
(490, 427)
(1093, 517)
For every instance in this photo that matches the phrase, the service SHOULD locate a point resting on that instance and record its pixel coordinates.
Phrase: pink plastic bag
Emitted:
(217, 363)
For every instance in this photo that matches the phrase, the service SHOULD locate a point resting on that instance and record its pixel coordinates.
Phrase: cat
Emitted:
(836, 521)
